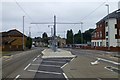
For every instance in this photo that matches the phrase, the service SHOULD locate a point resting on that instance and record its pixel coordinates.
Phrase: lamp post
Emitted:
(23, 32)
(51, 36)
(81, 32)
(108, 27)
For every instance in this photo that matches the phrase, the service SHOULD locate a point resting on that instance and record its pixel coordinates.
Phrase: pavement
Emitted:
(60, 53)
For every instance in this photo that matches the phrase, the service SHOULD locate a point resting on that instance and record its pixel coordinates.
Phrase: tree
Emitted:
(29, 43)
(45, 37)
(77, 38)
(87, 35)
(69, 39)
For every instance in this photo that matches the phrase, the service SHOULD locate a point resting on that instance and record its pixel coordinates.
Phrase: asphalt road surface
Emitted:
(15, 64)
(52, 68)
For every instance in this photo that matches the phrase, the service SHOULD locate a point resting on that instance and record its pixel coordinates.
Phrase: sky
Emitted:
(73, 11)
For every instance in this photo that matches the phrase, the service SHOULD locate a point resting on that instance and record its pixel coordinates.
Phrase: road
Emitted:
(15, 64)
(81, 66)
(29, 64)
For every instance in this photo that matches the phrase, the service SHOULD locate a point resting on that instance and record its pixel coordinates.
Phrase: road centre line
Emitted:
(108, 61)
(35, 59)
(45, 72)
(64, 65)
(53, 61)
(65, 76)
(27, 66)
(17, 76)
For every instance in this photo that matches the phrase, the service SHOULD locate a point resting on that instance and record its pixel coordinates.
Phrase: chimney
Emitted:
(119, 5)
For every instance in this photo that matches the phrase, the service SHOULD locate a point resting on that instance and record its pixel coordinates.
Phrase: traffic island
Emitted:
(60, 53)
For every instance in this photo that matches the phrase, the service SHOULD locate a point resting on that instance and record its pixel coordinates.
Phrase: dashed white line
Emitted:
(35, 59)
(65, 76)
(27, 66)
(54, 61)
(45, 72)
(17, 76)
(64, 65)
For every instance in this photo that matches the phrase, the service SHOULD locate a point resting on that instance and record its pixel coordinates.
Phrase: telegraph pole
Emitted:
(81, 32)
(23, 32)
(54, 36)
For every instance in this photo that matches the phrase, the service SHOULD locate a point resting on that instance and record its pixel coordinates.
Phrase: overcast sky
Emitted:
(43, 11)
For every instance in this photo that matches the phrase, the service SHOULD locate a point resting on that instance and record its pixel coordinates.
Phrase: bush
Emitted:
(29, 43)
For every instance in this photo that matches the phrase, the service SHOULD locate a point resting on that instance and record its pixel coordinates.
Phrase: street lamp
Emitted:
(81, 32)
(51, 36)
(23, 32)
(108, 27)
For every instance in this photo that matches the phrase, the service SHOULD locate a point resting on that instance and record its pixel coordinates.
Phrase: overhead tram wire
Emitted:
(24, 11)
(93, 11)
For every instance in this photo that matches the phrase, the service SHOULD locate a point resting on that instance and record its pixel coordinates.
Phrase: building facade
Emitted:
(12, 40)
(101, 37)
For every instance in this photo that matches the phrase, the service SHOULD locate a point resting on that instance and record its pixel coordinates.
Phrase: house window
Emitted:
(119, 32)
(115, 26)
(100, 43)
(115, 36)
(106, 33)
(100, 33)
(106, 24)
(97, 43)
(107, 44)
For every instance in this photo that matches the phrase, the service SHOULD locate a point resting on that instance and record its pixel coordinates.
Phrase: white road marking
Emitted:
(27, 66)
(45, 72)
(64, 65)
(50, 65)
(17, 76)
(72, 59)
(108, 61)
(108, 69)
(35, 59)
(38, 56)
(53, 61)
(65, 76)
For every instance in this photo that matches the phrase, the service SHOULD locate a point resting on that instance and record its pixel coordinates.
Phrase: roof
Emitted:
(13, 32)
(115, 14)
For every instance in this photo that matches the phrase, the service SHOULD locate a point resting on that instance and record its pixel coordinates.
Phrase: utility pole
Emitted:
(54, 36)
(29, 31)
(108, 27)
(23, 32)
(81, 32)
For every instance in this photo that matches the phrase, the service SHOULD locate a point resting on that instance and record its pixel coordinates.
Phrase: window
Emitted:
(115, 26)
(106, 24)
(115, 36)
(107, 44)
(100, 43)
(119, 32)
(106, 33)
(97, 43)
(100, 33)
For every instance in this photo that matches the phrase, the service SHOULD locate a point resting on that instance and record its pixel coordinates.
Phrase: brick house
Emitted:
(100, 35)
(12, 40)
